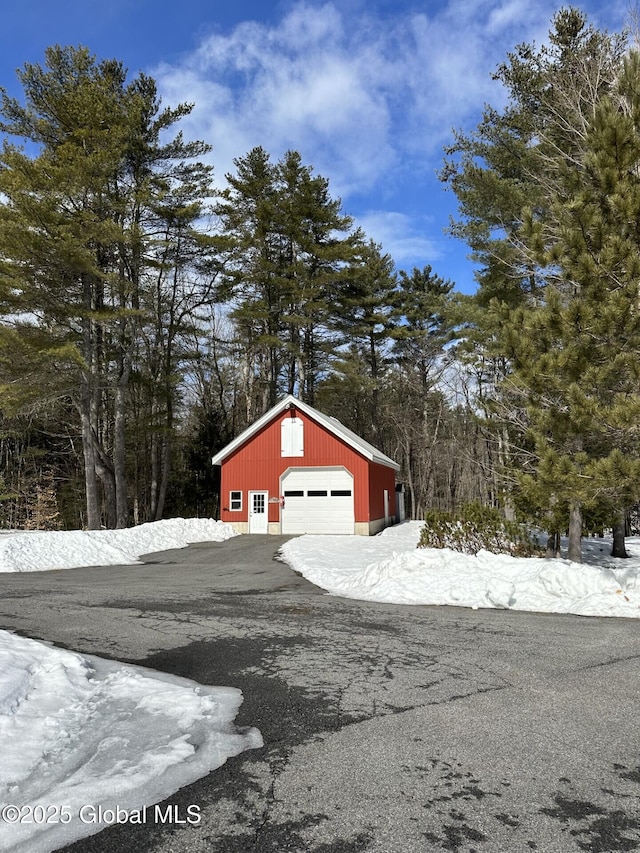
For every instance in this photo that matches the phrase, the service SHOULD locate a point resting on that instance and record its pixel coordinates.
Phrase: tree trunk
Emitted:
(294, 366)
(88, 401)
(553, 545)
(164, 476)
(119, 454)
(375, 393)
(619, 530)
(504, 453)
(274, 374)
(165, 461)
(309, 366)
(90, 480)
(105, 473)
(575, 533)
(154, 469)
(410, 483)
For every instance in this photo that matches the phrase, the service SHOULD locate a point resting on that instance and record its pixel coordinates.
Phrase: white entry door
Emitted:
(258, 512)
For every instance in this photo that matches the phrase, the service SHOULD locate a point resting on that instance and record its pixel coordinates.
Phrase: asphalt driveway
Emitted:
(387, 728)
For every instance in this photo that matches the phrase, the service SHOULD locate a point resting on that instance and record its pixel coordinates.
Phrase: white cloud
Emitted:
(355, 95)
(406, 239)
(368, 101)
(297, 85)
(455, 53)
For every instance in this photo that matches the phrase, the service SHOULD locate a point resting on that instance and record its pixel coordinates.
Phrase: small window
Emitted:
(294, 494)
(317, 493)
(235, 501)
(340, 493)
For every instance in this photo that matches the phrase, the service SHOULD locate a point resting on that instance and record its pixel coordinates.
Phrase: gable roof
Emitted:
(331, 424)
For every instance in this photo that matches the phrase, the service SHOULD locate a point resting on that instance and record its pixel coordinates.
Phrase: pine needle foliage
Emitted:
(475, 527)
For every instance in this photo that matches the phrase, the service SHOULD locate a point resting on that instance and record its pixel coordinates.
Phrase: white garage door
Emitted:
(317, 500)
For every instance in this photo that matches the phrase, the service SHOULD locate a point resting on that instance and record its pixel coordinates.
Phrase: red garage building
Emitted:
(296, 470)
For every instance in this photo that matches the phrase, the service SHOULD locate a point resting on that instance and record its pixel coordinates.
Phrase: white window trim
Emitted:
(232, 500)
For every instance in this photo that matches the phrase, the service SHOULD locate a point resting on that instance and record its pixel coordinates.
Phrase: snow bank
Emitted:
(389, 568)
(38, 550)
(81, 736)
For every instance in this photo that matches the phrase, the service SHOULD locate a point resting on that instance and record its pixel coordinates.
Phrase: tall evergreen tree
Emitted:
(416, 404)
(285, 244)
(510, 162)
(512, 179)
(578, 354)
(247, 214)
(423, 301)
(79, 212)
(319, 248)
(365, 313)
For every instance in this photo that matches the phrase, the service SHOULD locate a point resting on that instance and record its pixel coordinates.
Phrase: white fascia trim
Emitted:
(331, 424)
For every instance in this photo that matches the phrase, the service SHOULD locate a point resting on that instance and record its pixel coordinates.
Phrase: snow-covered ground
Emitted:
(389, 568)
(38, 551)
(87, 743)
(84, 742)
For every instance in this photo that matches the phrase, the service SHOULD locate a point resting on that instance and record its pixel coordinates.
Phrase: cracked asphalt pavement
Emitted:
(387, 728)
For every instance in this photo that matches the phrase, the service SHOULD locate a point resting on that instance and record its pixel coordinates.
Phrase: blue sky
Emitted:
(367, 90)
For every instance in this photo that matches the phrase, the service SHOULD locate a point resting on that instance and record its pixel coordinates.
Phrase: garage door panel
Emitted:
(318, 501)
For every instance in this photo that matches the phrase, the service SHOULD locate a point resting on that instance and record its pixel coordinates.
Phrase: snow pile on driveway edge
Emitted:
(37, 551)
(389, 568)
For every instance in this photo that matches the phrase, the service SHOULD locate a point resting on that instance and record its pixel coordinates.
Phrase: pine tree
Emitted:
(364, 315)
(318, 248)
(42, 508)
(284, 259)
(576, 356)
(81, 205)
(519, 180)
(510, 163)
(416, 406)
(423, 301)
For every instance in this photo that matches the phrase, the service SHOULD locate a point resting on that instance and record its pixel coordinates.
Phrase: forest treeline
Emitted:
(147, 318)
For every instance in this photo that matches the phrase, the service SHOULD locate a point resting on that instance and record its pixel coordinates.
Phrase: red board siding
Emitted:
(258, 465)
(381, 478)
